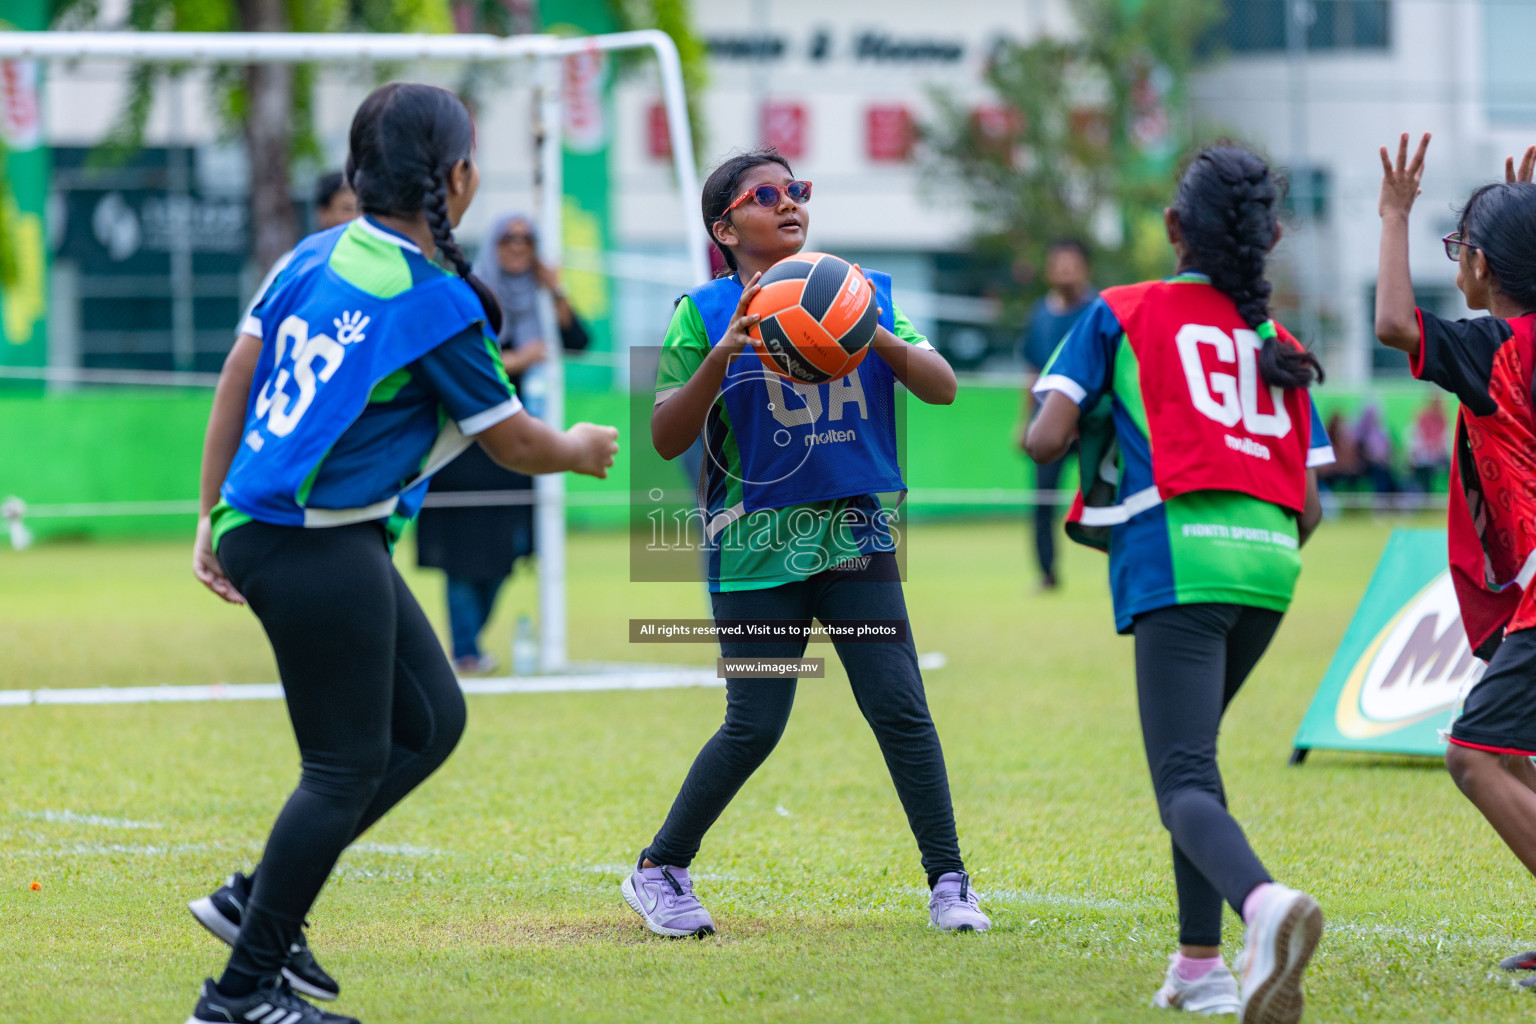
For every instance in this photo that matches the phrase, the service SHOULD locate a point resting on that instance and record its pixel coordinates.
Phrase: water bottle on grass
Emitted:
(525, 647)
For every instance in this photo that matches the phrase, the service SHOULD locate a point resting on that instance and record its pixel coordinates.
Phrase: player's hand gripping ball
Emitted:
(818, 317)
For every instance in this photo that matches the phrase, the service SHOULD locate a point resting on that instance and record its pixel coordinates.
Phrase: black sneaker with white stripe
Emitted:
(271, 1004)
(220, 912)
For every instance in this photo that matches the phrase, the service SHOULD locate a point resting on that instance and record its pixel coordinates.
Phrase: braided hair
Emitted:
(406, 139)
(1228, 207)
(724, 185)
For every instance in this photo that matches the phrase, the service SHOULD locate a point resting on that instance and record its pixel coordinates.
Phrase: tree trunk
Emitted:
(268, 138)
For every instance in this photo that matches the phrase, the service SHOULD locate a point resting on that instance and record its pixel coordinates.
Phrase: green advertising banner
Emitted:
(588, 135)
(1403, 664)
(23, 195)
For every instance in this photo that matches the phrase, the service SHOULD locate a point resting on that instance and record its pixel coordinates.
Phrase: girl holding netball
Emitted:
(1487, 363)
(363, 369)
(796, 540)
(1213, 492)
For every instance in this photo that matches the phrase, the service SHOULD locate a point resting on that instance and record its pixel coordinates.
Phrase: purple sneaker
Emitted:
(664, 899)
(953, 907)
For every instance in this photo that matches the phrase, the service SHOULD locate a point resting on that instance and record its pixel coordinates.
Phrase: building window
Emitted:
(1258, 26)
(1508, 25)
(1442, 300)
(1309, 194)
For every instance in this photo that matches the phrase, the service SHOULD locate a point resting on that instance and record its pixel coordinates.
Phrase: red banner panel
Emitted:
(786, 127)
(889, 134)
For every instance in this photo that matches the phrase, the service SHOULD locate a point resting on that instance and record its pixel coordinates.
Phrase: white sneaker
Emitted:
(1277, 944)
(953, 907)
(1213, 992)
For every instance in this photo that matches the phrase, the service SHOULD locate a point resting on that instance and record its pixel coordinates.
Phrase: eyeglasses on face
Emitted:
(767, 196)
(515, 238)
(1454, 243)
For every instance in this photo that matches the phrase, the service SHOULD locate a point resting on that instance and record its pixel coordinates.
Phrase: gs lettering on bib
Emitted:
(1212, 422)
(799, 442)
(325, 345)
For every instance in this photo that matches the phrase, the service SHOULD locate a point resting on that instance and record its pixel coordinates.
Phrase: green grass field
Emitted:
(492, 894)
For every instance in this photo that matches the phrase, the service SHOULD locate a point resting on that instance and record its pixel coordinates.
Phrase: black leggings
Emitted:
(374, 705)
(1190, 661)
(886, 685)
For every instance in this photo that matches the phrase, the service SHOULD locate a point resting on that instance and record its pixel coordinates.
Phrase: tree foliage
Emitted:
(232, 94)
(675, 18)
(1084, 138)
(228, 97)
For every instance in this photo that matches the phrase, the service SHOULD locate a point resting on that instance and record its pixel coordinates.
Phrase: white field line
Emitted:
(1018, 897)
(274, 691)
(645, 679)
(111, 850)
(622, 870)
(396, 850)
(143, 694)
(1027, 898)
(71, 818)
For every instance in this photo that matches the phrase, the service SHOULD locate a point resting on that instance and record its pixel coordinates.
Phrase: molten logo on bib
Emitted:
(1416, 667)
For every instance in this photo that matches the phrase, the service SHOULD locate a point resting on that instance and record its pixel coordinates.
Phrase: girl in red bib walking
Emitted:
(1198, 441)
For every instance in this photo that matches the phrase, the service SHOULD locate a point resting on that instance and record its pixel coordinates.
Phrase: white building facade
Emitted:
(839, 86)
(1460, 69)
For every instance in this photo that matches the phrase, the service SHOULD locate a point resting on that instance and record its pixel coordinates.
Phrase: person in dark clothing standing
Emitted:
(1067, 273)
(478, 546)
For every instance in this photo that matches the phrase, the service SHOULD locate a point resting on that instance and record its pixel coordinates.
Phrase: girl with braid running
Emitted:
(364, 369)
(1202, 510)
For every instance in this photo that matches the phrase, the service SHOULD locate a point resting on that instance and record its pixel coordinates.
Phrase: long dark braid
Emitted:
(1228, 208)
(406, 139)
(434, 205)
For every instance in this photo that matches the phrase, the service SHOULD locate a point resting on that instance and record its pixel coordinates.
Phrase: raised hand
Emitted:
(1527, 166)
(1400, 179)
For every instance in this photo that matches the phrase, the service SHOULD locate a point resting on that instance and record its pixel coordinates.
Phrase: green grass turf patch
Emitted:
(492, 893)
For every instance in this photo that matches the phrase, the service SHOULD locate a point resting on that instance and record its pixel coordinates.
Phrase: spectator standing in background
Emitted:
(479, 546)
(1429, 450)
(1346, 469)
(1376, 450)
(1067, 275)
(335, 204)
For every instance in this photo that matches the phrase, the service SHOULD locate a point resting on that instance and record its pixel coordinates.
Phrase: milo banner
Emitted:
(23, 197)
(1404, 662)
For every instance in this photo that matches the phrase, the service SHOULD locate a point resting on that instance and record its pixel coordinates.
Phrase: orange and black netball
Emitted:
(818, 317)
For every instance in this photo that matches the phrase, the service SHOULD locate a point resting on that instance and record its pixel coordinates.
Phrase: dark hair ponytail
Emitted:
(724, 185)
(1228, 208)
(406, 139)
(1499, 221)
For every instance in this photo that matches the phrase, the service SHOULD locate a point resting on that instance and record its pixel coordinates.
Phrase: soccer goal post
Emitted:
(546, 54)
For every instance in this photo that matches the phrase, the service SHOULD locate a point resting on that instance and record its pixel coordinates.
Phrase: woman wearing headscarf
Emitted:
(479, 546)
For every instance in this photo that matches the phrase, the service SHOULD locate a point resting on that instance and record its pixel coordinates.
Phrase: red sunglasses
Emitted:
(767, 196)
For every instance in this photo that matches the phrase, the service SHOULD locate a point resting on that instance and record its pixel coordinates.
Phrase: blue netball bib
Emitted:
(807, 442)
(325, 345)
